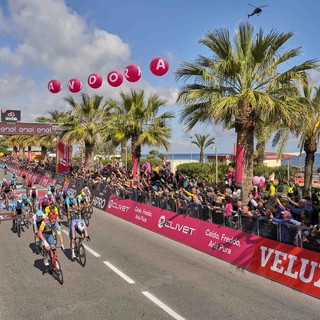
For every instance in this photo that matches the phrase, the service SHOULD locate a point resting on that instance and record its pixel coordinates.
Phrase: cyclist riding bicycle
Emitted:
(5, 169)
(18, 209)
(71, 203)
(48, 226)
(81, 199)
(44, 202)
(26, 201)
(87, 193)
(13, 181)
(51, 208)
(6, 191)
(77, 225)
(51, 188)
(37, 219)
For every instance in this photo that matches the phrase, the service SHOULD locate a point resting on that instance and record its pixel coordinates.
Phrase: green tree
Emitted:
(136, 118)
(243, 82)
(202, 142)
(308, 129)
(85, 123)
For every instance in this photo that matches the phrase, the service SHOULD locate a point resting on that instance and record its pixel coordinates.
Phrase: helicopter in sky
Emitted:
(257, 10)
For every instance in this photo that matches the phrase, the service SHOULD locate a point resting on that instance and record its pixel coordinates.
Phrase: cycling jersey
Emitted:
(46, 227)
(80, 198)
(77, 225)
(71, 202)
(47, 210)
(36, 220)
(34, 193)
(18, 208)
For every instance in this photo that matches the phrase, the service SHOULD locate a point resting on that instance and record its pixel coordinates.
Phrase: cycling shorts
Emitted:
(49, 238)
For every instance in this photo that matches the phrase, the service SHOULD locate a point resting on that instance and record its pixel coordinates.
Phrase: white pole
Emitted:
(190, 148)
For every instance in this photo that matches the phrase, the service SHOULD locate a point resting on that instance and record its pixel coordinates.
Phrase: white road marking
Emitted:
(120, 273)
(162, 306)
(96, 254)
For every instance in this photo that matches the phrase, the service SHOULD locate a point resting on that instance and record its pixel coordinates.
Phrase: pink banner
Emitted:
(239, 163)
(230, 245)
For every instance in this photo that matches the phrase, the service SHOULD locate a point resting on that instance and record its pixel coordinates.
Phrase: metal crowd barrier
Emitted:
(258, 225)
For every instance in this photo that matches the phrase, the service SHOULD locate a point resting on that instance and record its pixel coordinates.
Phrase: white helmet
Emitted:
(34, 187)
(4, 179)
(49, 194)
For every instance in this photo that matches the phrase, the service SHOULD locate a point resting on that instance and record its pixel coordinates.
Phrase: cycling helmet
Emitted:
(33, 187)
(13, 174)
(24, 197)
(83, 194)
(52, 206)
(4, 179)
(49, 194)
(19, 201)
(39, 213)
(52, 216)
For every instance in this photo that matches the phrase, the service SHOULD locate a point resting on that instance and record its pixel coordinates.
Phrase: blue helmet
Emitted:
(39, 213)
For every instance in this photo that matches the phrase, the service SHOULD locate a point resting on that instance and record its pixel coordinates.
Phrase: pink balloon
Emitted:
(74, 85)
(54, 86)
(132, 73)
(159, 66)
(115, 78)
(255, 180)
(95, 80)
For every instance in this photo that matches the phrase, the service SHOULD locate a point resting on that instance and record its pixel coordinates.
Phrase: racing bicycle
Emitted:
(80, 251)
(54, 264)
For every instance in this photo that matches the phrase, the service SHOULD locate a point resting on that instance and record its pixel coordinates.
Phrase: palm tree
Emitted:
(309, 131)
(136, 118)
(84, 123)
(242, 83)
(203, 142)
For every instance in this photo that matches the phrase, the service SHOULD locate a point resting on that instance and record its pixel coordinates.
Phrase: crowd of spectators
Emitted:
(287, 217)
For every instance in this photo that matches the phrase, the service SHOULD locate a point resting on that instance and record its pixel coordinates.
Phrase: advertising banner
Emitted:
(99, 200)
(74, 188)
(10, 115)
(26, 128)
(292, 266)
(63, 157)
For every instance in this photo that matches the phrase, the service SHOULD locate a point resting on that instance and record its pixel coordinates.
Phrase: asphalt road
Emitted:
(132, 273)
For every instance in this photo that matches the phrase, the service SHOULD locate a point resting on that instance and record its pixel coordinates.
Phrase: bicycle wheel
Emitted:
(85, 217)
(90, 210)
(57, 272)
(81, 254)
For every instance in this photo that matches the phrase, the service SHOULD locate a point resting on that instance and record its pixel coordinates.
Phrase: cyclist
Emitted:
(58, 198)
(33, 195)
(87, 194)
(37, 219)
(70, 204)
(51, 188)
(29, 184)
(6, 189)
(13, 181)
(5, 169)
(48, 226)
(81, 199)
(44, 202)
(26, 201)
(77, 225)
(50, 197)
(18, 209)
(51, 208)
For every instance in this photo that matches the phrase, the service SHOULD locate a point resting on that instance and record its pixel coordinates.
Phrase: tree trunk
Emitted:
(310, 148)
(261, 147)
(201, 156)
(88, 154)
(244, 125)
(123, 150)
(136, 155)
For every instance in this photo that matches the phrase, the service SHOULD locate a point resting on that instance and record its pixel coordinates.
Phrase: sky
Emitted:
(41, 40)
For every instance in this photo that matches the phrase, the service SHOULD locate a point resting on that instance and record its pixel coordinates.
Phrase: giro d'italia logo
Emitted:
(162, 222)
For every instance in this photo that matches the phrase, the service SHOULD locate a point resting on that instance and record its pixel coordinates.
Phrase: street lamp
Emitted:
(190, 147)
(216, 152)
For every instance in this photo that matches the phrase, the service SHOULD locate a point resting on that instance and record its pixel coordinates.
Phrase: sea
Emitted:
(295, 161)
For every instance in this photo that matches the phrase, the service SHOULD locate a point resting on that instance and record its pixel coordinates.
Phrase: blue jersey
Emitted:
(18, 207)
(71, 202)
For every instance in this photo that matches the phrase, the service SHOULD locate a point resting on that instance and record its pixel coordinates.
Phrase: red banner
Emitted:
(239, 163)
(292, 266)
(63, 157)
